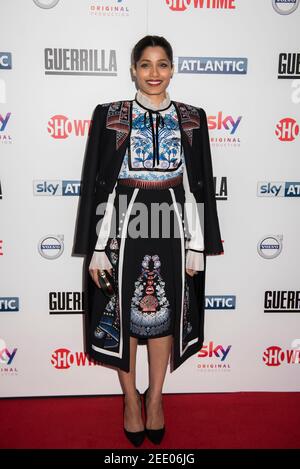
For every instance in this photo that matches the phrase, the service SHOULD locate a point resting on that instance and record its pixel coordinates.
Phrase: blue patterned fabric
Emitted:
(155, 151)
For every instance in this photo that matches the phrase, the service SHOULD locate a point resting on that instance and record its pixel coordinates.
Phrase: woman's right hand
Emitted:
(99, 262)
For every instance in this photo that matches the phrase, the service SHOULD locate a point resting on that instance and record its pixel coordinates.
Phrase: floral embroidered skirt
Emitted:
(146, 248)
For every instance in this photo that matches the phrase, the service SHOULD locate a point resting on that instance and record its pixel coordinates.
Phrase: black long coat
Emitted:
(108, 140)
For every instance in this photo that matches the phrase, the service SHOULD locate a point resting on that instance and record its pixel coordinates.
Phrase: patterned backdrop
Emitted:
(240, 61)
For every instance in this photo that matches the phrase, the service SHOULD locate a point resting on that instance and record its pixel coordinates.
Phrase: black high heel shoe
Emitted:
(154, 435)
(136, 438)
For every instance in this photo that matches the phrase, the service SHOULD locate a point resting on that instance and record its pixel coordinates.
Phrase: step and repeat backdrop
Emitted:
(240, 61)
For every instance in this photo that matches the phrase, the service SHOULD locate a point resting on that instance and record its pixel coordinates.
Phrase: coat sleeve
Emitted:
(88, 183)
(212, 237)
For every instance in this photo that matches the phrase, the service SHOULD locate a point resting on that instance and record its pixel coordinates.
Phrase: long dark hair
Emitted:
(152, 41)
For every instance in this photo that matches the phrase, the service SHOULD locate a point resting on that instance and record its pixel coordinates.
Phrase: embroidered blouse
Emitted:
(155, 153)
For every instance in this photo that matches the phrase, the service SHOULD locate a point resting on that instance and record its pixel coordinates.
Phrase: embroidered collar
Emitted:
(146, 103)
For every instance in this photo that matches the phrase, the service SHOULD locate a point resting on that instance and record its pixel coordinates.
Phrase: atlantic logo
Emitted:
(287, 129)
(56, 187)
(5, 61)
(278, 189)
(212, 65)
(63, 359)
(276, 356)
(96, 62)
(61, 127)
(220, 302)
(65, 302)
(182, 5)
(282, 301)
(9, 304)
(289, 66)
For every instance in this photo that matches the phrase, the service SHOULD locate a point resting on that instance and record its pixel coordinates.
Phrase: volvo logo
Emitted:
(285, 7)
(46, 3)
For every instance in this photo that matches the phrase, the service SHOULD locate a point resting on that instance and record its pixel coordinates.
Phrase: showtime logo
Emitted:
(60, 127)
(63, 359)
(182, 5)
(287, 130)
(275, 356)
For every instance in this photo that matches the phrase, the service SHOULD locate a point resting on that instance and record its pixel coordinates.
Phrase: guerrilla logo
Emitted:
(289, 66)
(66, 302)
(282, 301)
(94, 62)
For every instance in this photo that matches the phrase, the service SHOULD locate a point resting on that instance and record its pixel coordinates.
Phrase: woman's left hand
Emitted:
(191, 272)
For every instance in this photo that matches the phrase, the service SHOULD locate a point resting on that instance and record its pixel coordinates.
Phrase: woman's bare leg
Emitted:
(158, 352)
(133, 421)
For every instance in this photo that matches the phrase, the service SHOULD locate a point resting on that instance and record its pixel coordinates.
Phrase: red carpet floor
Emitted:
(212, 421)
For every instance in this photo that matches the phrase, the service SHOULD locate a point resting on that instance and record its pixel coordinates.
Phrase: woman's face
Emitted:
(153, 71)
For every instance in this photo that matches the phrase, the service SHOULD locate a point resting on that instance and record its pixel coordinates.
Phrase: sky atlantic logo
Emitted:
(212, 65)
(61, 127)
(278, 189)
(56, 187)
(182, 5)
(91, 62)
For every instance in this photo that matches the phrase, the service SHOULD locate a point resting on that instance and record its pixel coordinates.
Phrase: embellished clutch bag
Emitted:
(106, 283)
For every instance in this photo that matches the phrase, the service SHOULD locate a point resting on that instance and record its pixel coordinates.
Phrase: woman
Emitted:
(147, 151)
